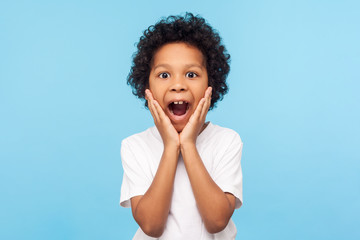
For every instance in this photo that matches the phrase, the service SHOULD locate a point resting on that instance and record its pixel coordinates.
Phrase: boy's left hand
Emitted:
(197, 120)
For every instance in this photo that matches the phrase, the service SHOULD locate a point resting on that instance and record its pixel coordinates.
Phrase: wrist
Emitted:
(187, 146)
(172, 148)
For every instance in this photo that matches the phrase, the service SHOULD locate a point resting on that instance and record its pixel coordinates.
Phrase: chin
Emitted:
(179, 127)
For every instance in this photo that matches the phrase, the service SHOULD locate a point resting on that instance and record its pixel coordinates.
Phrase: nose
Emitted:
(178, 85)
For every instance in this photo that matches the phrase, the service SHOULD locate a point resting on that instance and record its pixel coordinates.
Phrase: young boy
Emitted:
(182, 177)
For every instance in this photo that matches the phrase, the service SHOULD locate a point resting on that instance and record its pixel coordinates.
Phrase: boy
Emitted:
(182, 178)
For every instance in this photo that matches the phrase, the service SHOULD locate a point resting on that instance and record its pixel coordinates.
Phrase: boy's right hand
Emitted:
(167, 131)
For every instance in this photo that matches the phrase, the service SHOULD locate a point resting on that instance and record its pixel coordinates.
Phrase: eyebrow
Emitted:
(162, 65)
(193, 65)
(187, 66)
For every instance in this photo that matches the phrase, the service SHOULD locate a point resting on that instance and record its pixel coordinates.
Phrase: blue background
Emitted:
(65, 107)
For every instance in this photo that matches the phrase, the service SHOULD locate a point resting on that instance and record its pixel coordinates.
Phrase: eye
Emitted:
(164, 75)
(191, 75)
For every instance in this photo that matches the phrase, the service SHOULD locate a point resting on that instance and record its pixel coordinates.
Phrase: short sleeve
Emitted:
(135, 181)
(228, 172)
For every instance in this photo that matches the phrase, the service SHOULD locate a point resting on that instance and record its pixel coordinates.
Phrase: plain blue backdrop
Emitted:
(65, 107)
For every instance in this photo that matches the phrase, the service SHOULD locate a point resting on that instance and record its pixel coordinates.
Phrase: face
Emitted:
(178, 80)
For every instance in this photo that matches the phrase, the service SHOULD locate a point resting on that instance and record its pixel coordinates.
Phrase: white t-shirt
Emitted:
(220, 150)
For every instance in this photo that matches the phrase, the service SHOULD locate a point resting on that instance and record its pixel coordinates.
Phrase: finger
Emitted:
(208, 92)
(151, 106)
(146, 94)
(204, 110)
(198, 110)
(160, 111)
(153, 111)
(149, 95)
(206, 106)
(154, 104)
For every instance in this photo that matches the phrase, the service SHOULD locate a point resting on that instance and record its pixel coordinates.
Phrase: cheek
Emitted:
(158, 95)
(203, 85)
(200, 93)
(154, 90)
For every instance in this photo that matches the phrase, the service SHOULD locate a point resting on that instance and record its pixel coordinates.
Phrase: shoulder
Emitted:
(218, 140)
(142, 143)
(222, 134)
(142, 150)
(144, 137)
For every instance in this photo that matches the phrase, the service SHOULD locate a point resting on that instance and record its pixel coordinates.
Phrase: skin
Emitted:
(179, 72)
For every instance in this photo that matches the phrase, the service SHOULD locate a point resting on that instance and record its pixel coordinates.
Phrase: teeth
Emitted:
(179, 102)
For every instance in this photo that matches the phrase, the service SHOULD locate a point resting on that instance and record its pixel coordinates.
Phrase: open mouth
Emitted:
(178, 108)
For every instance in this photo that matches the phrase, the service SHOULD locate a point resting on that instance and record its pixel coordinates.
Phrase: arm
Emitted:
(215, 206)
(151, 210)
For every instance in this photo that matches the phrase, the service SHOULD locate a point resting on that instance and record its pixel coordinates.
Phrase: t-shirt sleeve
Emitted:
(228, 172)
(135, 181)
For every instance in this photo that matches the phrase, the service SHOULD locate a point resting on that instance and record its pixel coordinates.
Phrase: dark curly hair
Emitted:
(189, 29)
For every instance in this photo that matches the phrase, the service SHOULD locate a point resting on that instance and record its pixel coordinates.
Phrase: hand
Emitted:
(167, 131)
(197, 120)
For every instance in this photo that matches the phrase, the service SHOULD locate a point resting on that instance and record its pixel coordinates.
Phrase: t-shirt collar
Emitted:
(200, 138)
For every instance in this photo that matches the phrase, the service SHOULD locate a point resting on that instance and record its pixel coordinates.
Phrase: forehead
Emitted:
(178, 54)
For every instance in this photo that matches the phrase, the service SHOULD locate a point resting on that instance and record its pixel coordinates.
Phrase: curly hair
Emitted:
(189, 29)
